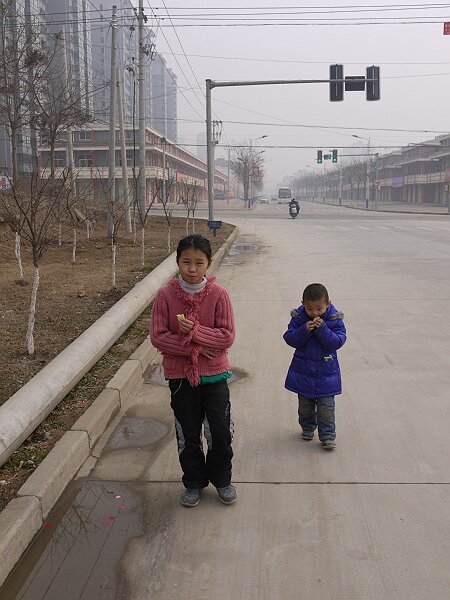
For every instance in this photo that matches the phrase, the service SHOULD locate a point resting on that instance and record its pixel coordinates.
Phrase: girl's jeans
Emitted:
(317, 413)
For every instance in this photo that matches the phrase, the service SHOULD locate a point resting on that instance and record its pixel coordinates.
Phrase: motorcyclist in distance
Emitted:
(293, 203)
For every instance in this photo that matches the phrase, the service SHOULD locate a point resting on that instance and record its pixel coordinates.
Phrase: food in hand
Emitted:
(180, 317)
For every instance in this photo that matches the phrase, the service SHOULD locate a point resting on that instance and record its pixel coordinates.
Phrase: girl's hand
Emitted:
(185, 324)
(208, 352)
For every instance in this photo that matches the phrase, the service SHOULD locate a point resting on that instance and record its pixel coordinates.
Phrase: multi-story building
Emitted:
(21, 23)
(171, 105)
(91, 150)
(74, 18)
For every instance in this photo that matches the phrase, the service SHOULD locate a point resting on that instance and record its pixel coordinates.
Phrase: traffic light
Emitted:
(373, 87)
(336, 87)
(319, 157)
(334, 159)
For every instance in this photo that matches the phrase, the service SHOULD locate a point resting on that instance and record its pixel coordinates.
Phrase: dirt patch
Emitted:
(71, 298)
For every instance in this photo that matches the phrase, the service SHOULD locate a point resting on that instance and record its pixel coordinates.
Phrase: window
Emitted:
(60, 159)
(84, 136)
(84, 159)
(129, 159)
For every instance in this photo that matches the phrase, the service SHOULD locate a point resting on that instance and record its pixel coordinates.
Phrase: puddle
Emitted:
(238, 252)
(155, 374)
(75, 555)
(132, 432)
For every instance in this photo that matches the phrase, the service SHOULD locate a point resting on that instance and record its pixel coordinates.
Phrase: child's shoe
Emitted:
(190, 497)
(307, 435)
(227, 494)
(329, 444)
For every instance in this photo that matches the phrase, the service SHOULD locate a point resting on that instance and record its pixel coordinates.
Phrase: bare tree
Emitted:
(244, 162)
(190, 194)
(32, 213)
(167, 200)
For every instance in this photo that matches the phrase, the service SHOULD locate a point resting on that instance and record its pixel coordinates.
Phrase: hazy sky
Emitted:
(414, 62)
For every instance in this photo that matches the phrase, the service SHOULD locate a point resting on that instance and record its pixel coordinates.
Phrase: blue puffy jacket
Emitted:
(314, 370)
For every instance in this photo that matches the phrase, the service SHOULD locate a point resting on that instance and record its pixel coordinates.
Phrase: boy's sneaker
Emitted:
(307, 435)
(190, 497)
(227, 494)
(329, 444)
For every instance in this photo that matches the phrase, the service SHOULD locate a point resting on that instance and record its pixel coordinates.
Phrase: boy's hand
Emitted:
(318, 322)
(208, 352)
(310, 325)
(185, 324)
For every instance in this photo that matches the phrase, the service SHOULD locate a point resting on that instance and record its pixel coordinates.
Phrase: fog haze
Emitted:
(415, 80)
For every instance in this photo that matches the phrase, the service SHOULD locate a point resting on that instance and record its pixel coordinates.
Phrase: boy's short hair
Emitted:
(314, 292)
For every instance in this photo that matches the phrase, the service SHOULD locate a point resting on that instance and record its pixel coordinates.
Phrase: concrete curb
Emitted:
(29, 406)
(22, 518)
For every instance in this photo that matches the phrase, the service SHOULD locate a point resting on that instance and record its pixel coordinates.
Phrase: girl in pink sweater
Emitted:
(193, 327)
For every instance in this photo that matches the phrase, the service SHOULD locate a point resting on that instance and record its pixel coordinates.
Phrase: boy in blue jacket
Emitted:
(316, 331)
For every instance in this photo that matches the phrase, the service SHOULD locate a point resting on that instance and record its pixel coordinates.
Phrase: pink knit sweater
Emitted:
(213, 318)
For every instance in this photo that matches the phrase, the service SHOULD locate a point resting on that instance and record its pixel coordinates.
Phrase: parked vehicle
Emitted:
(264, 200)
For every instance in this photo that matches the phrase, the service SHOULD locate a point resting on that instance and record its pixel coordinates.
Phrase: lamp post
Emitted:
(367, 172)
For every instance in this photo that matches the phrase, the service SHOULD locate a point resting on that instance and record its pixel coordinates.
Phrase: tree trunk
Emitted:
(88, 229)
(18, 256)
(32, 312)
(113, 264)
(59, 233)
(143, 246)
(168, 239)
(193, 222)
(14, 157)
(52, 159)
(74, 246)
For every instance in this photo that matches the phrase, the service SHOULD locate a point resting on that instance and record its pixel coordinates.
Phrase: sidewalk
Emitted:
(397, 207)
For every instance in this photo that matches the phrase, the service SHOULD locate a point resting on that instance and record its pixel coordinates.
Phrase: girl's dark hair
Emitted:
(194, 242)
(314, 292)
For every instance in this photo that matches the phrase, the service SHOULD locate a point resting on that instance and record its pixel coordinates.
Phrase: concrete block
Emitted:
(57, 470)
(145, 354)
(96, 418)
(19, 523)
(126, 380)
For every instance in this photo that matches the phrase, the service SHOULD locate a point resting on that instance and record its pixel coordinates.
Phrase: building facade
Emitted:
(91, 150)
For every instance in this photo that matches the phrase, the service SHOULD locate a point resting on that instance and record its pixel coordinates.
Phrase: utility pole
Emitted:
(142, 184)
(340, 187)
(367, 175)
(123, 153)
(69, 147)
(163, 142)
(228, 165)
(377, 187)
(112, 127)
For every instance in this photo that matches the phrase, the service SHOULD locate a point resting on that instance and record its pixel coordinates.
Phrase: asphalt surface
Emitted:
(370, 520)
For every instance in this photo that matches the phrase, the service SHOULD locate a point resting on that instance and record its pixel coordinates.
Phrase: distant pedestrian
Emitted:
(316, 331)
(193, 327)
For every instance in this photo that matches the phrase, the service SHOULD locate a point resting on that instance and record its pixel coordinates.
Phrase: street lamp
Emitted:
(367, 172)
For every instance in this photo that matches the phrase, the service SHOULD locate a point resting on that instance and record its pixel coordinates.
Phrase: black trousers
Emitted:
(206, 406)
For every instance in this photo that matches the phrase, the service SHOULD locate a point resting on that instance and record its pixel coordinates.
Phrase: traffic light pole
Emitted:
(210, 85)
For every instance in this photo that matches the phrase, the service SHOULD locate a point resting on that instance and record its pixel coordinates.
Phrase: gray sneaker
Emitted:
(227, 494)
(329, 444)
(190, 497)
(307, 435)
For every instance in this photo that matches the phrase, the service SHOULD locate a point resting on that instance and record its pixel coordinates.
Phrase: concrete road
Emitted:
(370, 520)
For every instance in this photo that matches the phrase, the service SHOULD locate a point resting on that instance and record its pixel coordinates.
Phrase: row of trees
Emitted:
(353, 177)
(37, 97)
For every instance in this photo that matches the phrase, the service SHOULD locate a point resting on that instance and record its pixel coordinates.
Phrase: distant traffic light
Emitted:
(319, 157)
(373, 87)
(334, 159)
(336, 87)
